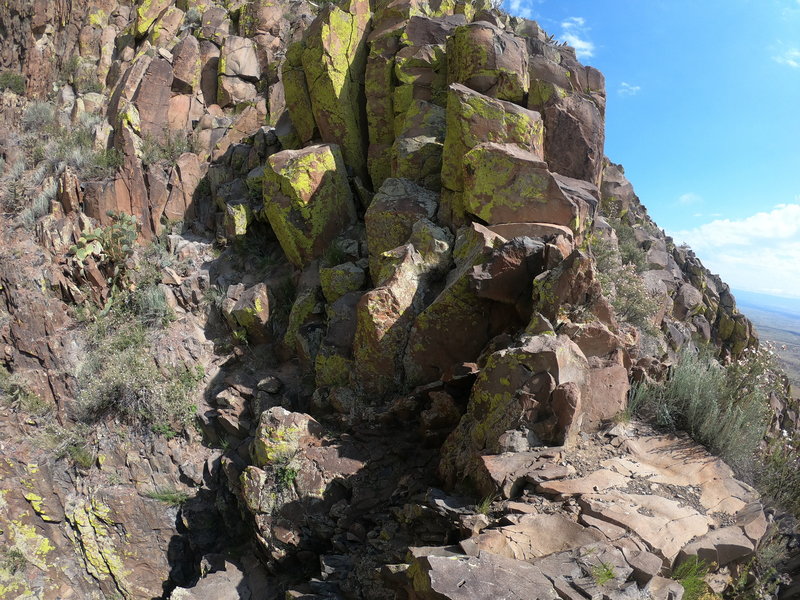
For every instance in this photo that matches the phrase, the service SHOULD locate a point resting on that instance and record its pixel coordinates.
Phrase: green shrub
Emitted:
(38, 116)
(690, 574)
(724, 408)
(150, 306)
(621, 284)
(13, 81)
(603, 573)
(166, 149)
(170, 496)
(12, 560)
(120, 377)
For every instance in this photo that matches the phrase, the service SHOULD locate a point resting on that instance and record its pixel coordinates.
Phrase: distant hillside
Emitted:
(777, 320)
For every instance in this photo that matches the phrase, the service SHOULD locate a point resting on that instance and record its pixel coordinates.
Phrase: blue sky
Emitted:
(704, 114)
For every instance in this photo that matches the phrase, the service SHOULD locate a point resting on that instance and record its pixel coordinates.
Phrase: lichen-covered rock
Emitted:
(296, 91)
(334, 362)
(417, 150)
(333, 59)
(307, 200)
(385, 315)
(473, 119)
(575, 137)
(340, 280)
(515, 389)
(505, 184)
(152, 99)
(398, 204)
(490, 61)
(435, 344)
(215, 25)
(146, 14)
(249, 311)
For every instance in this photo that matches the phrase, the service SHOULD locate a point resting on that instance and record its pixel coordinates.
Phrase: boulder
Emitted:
(340, 280)
(508, 274)
(333, 59)
(307, 200)
(516, 389)
(472, 119)
(395, 208)
(249, 311)
(238, 59)
(385, 315)
(483, 577)
(435, 346)
(417, 150)
(535, 536)
(488, 60)
(147, 13)
(186, 65)
(152, 99)
(505, 184)
(298, 98)
(574, 138)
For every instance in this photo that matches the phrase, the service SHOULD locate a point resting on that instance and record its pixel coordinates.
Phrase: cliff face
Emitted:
(394, 216)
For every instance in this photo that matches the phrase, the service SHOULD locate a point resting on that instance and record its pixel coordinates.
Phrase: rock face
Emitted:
(307, 200)
(376, 287)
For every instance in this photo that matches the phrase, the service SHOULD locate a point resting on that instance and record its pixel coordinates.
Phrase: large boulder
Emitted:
(530, 386)
(505, 184)
(417, 150)
(435, 343)
(307, 200)
(398, 204)
(485, 58)
(473, 119)
(333, 60)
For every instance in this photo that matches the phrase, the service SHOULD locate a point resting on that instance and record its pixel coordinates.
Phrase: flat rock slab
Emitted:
(484, 577)
(664, 524)
(535, 536)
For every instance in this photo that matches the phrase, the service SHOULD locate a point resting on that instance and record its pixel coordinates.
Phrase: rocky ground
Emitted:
(340, 301)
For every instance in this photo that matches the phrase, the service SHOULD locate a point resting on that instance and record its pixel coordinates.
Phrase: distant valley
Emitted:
(778, 321)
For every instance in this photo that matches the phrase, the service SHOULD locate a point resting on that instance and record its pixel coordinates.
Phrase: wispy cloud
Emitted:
(689, 198)
(574, 32)
(758, 253)
(522, 8)
(628, 89)
(789, 57)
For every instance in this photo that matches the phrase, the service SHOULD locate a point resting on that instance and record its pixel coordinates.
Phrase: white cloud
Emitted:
(789, 57)
(759, 253)
(689, 198)
(574, 33)
(522, 8)
(628, 89)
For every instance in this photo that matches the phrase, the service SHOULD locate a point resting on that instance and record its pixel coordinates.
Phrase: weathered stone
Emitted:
(334, 56)
(507, 276)
(574, 138)
(295, 88)
(501, 399)
(209, 71)
(385, 315)
(307, 200)
(488, 60)
(152, 99)
(532, 230)
(395, 208)
(720, 546)
(238, 59)
(472, 119)
(533, 537)
(417, 150)
(505, 184)
(610, 386)
(215, 25)
(434, 345)
(233, 90)
(163, 33)
(510, 472)
(251, 312)
(147, 13)
(485, 577)
(341, 279)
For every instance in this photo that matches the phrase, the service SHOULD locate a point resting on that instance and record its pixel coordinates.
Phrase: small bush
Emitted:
(603, 573)
(690, 574)
(621, 284)
(167, 149)
(724, 408)
(12, 560)
(285, 476)
(38, 117)
(170, 496)
(13, 81)
(150, 305)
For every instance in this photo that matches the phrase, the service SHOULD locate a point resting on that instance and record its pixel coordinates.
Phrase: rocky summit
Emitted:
(344, 300)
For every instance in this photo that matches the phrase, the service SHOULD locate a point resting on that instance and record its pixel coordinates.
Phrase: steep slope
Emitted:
(276, 275)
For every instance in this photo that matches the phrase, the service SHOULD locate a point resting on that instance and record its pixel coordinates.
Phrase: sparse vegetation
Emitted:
(170, 496)
(12, 560)
(618, 269)
(690, 574)
(603, 573)
(19, 397)
(13, 81)
(164, 149)
(484, 507)
(285, 476)
(724, 408)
